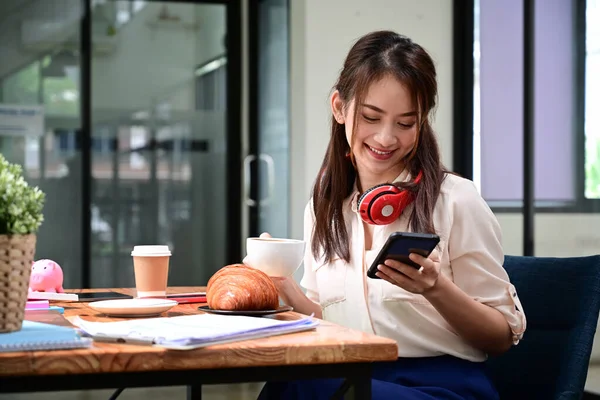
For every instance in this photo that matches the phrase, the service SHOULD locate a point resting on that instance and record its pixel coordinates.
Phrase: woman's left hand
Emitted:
(414, 280)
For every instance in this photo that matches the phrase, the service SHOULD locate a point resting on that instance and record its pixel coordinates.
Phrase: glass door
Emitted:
(139, 136)
(269, 118)
(39, 49)
(165, 152)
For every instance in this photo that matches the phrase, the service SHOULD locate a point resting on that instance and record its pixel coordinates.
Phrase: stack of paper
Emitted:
(191, 331)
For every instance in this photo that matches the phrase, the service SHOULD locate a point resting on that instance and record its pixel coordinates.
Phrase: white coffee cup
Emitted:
(274, 256)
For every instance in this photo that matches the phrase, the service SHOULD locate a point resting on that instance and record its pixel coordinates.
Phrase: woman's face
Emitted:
(386, 129)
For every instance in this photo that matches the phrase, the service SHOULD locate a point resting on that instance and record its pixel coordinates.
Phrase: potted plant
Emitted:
(20, 217)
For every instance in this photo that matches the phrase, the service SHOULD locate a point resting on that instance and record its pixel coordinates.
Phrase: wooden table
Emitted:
(330, 351)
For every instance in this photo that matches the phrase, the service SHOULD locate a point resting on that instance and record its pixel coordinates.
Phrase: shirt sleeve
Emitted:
(477, 257)
(309, 280)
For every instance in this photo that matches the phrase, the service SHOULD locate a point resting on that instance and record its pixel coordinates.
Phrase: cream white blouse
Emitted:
(471, 255)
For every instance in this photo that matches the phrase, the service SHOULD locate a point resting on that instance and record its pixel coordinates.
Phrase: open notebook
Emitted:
(40, 336)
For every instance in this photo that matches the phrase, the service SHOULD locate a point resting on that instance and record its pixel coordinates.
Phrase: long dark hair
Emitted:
(371, 58)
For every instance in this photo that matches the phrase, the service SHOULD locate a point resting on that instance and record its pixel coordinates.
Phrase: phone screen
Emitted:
(407, 245)
(400, 245)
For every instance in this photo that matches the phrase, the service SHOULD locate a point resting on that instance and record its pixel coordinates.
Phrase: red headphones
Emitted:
(383, 204)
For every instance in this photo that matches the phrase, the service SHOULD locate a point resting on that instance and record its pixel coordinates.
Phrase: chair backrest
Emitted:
(561, 298)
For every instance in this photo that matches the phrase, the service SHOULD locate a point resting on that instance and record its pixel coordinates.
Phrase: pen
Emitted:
(122, 340)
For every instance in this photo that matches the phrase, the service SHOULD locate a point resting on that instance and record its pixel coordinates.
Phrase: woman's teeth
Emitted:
(383, 153)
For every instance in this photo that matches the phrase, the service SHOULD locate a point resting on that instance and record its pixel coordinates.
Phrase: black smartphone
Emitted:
(399, 246)
(109, 295)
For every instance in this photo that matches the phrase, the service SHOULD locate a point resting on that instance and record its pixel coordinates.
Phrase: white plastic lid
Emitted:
(151, 251)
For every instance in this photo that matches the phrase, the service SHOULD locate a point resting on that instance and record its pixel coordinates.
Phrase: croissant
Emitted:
(238, 287)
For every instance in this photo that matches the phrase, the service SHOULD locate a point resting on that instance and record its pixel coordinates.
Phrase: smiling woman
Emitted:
(382, 174)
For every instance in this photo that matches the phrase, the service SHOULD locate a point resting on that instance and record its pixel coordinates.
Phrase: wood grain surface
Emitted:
(329, 343)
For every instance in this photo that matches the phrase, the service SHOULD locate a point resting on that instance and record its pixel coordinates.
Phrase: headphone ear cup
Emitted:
(379, 204)
(386, 208)
(383, 204)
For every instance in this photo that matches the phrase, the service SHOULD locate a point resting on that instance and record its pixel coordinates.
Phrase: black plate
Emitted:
(246, 313)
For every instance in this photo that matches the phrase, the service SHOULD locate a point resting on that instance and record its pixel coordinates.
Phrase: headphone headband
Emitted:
(419, 176)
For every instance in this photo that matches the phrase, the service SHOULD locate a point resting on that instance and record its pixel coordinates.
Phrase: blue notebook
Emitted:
(40, 336)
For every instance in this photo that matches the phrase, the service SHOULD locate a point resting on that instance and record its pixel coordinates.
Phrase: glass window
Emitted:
(60, 88)
(498, 158)
(592, 101)
(23, 86)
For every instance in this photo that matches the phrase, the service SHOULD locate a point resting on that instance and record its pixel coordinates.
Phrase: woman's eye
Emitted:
(406, 126)
(369, 118)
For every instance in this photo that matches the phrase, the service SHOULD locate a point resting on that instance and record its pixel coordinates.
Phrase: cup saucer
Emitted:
(133, 307)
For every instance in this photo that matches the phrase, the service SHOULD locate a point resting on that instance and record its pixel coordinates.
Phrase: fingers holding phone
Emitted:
(415, 280)
(408, 260)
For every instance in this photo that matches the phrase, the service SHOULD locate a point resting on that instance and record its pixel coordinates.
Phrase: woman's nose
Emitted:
(385, 137)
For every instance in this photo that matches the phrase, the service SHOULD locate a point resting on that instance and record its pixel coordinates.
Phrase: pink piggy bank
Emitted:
(46, 276)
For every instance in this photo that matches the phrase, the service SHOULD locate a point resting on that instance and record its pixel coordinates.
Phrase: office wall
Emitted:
(556, 235)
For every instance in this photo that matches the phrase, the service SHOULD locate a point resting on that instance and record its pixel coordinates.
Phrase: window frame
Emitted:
(463, 83)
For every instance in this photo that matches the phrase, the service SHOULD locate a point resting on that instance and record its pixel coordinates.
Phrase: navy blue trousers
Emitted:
(430, 378)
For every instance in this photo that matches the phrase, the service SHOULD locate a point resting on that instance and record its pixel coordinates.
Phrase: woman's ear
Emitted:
(337, 107)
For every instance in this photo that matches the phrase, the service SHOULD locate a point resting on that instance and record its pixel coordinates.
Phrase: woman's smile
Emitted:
(379, 154)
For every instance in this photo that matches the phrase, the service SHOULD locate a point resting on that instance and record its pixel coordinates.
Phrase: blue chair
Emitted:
(561, 298)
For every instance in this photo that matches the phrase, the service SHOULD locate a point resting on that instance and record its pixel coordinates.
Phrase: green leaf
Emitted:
(21, 205)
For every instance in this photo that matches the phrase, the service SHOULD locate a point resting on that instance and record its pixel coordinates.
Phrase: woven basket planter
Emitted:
(16, 256)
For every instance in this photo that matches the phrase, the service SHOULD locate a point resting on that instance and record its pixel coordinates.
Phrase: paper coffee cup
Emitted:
(151, 270)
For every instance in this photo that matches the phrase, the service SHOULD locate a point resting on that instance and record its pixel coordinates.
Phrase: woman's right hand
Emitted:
(291, 294)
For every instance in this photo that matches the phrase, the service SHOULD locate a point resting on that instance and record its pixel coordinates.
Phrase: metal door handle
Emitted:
(270, 177)
(248, 180)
